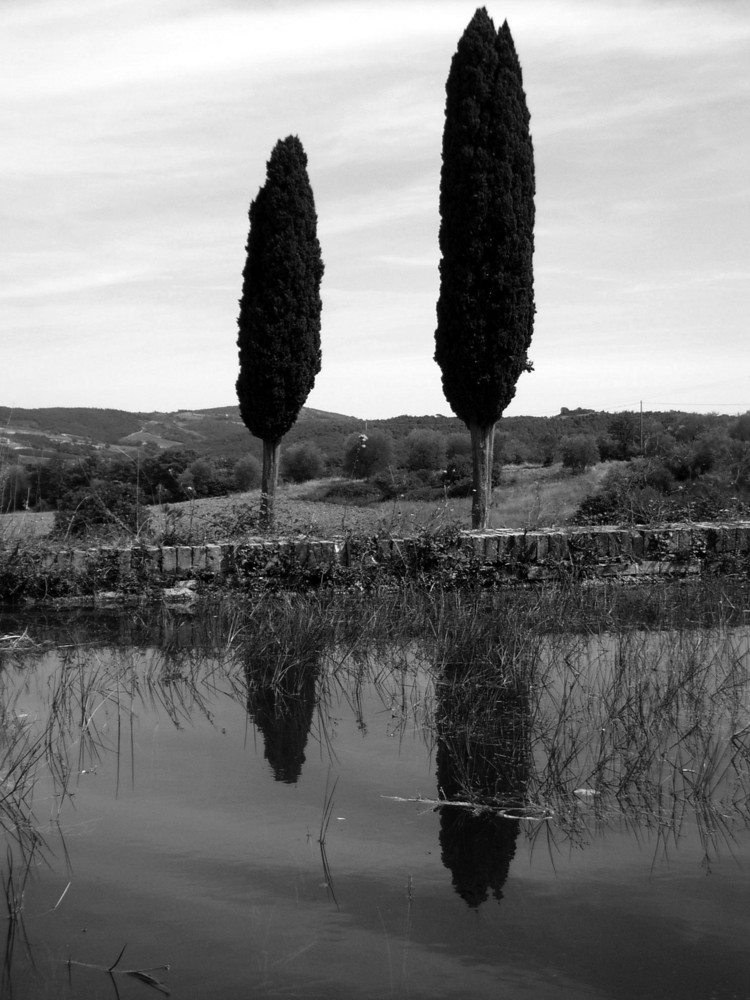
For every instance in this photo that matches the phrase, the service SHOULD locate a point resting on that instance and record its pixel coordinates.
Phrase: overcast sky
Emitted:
(136, 132)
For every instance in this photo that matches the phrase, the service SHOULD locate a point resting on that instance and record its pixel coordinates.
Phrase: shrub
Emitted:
(105, 506)
(741, 429)
(247, 473)
(355, 493)
(424, 450)
(579, 452)
(14, 488)
(302, 462)
(623, 430)
(640, 494)
(458, 446)
(366, 454)
(423, 484)
(693, 459)
(510, 450)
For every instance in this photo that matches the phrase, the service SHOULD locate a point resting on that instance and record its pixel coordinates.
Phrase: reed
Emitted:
(567, 711)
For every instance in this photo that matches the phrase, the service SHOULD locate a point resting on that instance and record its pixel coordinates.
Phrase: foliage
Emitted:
(346, 492)
(302, 462)
(279, 320)
(623, 431)
(113, 507)
(15, 488)
(644, 492)
(424, 449)
(740, 431)
(204, 478)
(579, 452)
(366, 454)
(247, 473)
(486, 305)
(160, 474)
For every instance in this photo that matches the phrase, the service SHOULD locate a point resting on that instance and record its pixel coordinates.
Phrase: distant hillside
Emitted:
(36, 435)
(73, 431)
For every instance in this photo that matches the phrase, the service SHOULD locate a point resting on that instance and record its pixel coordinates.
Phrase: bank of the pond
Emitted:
(493, 557)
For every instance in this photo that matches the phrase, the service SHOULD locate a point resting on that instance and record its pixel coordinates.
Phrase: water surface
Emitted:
(183, 799)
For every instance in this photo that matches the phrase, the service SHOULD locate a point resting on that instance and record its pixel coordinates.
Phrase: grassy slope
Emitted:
(528, 497)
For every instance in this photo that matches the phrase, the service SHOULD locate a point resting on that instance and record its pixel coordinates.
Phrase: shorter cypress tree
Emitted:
(279, 320)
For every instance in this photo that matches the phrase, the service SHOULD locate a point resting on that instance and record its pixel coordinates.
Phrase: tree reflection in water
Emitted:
(281, 700)
(483, 758)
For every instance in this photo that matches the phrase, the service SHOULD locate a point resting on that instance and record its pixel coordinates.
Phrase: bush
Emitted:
(579, 452)
(105, 506)
(510, 451)
(694, 459)
(247, 473)
(422, 484)
(741, 429)
(14, 488)
(302, 462)
(458, 446)
(640, 493)
(424, 449)
(355, 493)
(366, 454)
(623, 430)
(161, 474)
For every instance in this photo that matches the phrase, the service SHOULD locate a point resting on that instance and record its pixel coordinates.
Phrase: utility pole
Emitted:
(641, 427)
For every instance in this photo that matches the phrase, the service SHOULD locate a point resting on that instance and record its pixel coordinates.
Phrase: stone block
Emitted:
(557, 547)
(490, 548)
(213, 560)
(198, 558)
(184, 558)
(602, 544)
(169, 560)
(524, 548)
(743, 538)
(637, 543)
(124, 561)
(79, 560)
(301, 552)
(542, 546)
(475, 543)
(64, 561)
(500, 547)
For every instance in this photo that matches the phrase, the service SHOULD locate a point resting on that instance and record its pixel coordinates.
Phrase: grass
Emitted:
(568, 709)
(528, 497)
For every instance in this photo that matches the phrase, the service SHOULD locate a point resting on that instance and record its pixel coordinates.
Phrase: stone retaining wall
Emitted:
(509, 555)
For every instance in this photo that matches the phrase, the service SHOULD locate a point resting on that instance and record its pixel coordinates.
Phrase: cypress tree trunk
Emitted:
(482, 450)
(269, 479)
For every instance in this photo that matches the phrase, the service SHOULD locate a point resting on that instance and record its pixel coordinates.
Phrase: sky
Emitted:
(136, 133)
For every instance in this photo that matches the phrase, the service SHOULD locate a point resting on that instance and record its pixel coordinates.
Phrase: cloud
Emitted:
(137, 132)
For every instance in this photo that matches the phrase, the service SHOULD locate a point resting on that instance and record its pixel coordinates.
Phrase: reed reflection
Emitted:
(482, 727)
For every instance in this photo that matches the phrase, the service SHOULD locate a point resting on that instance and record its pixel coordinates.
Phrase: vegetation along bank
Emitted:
(448, 558)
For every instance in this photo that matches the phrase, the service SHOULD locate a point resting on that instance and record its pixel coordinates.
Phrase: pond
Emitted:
(258, 804)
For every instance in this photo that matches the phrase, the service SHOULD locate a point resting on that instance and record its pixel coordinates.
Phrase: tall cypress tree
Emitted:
(279, 321)
(485, 313)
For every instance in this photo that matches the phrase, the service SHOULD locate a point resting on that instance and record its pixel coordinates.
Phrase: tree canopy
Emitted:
(485, 312)
(486, 305)
(279, 320)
